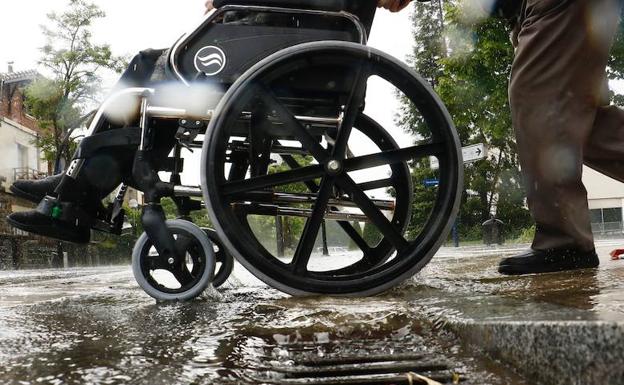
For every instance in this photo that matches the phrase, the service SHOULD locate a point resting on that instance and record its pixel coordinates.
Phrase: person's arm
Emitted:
(393, 5)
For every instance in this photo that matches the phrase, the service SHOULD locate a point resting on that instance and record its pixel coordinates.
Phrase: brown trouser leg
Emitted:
(558, 107)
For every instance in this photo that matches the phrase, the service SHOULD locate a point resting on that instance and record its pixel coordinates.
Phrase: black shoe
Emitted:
(37, 223)
(36, 190)
(548, 261)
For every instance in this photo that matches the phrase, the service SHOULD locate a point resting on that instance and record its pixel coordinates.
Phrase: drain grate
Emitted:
(365, 369)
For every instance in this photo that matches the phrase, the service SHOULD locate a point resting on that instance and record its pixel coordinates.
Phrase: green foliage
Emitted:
(423, 198)
(44, 100)
(75, 63)
(470, 69)
(469, 64)
(169, 207)
(292, 227)
(372, 236)
(201, 219)
(526, 235)
(352, 245)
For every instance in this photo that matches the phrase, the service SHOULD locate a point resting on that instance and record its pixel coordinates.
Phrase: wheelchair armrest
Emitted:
(323, 5)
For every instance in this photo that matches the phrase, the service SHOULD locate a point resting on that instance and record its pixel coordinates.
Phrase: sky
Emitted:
(133, 25)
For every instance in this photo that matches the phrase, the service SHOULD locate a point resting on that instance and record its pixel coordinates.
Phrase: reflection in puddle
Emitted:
(247, 333)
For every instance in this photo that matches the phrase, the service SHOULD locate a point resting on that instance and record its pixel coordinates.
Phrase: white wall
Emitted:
(601, 187)
(12, 134)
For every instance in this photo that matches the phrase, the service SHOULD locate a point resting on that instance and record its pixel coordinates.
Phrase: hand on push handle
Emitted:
(209, 6)
(393, 5)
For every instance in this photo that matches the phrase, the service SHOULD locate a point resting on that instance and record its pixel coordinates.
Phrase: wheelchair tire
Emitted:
(230, 200)
(159, 280)
(225, 262)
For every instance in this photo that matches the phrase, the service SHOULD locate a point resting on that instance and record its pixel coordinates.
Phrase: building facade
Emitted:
(606, 203)
(19, 156)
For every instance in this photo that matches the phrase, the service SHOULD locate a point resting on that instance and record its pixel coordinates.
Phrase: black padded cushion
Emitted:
(363, 9)
(323, 5)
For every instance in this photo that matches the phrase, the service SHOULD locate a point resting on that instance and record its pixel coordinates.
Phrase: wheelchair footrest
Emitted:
(72, 213)
(64, 211)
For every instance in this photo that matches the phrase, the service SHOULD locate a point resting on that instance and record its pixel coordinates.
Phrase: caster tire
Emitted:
(225, 262)
(165, 282)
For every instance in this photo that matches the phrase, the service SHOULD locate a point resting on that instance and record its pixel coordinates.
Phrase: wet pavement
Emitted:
(480, 293)
(95, 326)
(558, 328)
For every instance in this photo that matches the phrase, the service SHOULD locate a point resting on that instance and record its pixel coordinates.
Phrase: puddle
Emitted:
(96, 326)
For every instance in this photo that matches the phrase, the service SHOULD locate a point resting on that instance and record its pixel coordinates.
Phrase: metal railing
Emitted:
(24, 173)
(607, 228)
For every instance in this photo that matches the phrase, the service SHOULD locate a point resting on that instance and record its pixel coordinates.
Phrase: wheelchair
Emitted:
(274, 95)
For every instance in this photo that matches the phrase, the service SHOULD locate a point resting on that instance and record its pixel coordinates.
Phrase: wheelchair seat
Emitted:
(240, 33)
(363, 9)
(323, 5)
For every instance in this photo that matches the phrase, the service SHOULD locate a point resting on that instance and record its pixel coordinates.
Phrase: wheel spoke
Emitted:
(352, 110)
(183, 244)
(156, 263)
(294, 165)
(180, 271)
(182, 275)
(346, 226)
(289, 120)
(375, 184)
(356, 237)
(278, 179)
(312, 226)
(392, 156)
(372, 212)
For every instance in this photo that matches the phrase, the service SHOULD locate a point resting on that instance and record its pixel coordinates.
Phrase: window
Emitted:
(606, 215)
(22, 156)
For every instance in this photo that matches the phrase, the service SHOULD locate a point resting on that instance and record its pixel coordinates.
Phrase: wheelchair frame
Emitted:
(192, 124)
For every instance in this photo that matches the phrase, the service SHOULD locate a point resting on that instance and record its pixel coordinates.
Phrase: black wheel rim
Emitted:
(225, 262)
(187, 272)
(370, 274)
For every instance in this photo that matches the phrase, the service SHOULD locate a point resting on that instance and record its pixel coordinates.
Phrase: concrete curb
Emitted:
(553, 353)
(552, 329)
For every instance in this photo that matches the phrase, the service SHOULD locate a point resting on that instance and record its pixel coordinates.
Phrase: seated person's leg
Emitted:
(78, 198)
(100, 173)
(144, 69)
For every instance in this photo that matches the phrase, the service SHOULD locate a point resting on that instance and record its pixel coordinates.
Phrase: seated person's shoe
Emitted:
(35, 190)
(65, 221)
(37, 223)
(547, 261)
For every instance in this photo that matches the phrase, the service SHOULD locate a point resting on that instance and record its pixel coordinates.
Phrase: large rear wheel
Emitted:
(277, 171)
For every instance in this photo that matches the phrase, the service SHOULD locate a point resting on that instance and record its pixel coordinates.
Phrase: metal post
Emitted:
(324, 236)
(57, 262)
(279, 236)
(441, 10)
(15, 253)
(455, 234)
(441, 16)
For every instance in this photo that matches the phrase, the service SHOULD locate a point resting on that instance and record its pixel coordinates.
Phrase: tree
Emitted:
(74, 64)
(469, 64)
(474, 87)
(472, 81)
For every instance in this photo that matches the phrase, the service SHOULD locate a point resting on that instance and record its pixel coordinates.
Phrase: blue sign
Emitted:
(431, 182)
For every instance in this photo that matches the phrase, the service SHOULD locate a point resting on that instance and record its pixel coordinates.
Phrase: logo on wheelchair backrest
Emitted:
(210, 60)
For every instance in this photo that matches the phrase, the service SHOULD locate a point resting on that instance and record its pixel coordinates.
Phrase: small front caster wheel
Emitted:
(171, 279)
(225, 261)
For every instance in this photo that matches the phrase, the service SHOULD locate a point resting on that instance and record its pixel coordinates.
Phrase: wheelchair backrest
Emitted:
(236, 37)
